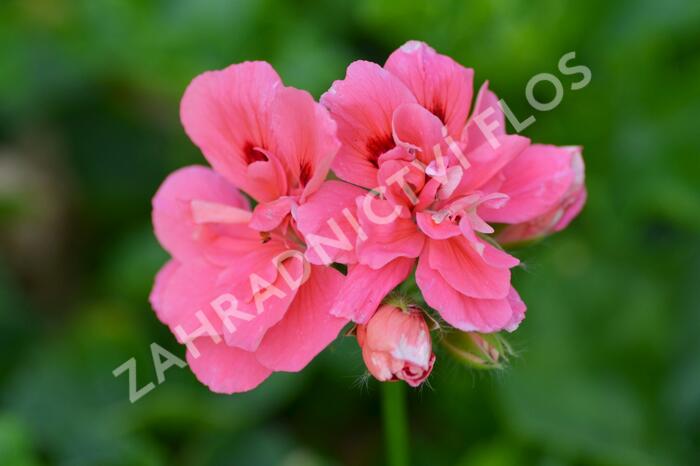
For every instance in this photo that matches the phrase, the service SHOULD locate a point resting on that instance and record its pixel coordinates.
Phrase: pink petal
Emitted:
(328, 222)
(518, 307)
(575, 198)
(258, 259)
(572, 211)
(555, 220)
(185, 298)
(417, 130)
(174, 222)
(214, 212)
(227, 250)
(465, 270)
(496, 257)
(362, 105)
(428, 194)
(443, 230)
(440, 84)
(491, 255)
(460, 311)
(386, 240)
(160, 284)
(260, 291)
(487, 162)
(307, 327)
(227, 115)
(269, 215)
(304, 139)
(364, 288)
(401, 181)
(224, 369)
(535, 180)
(492, 116)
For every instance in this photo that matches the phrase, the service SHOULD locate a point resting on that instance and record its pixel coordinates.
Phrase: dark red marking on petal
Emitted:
(376, 146)
(252, 154)
(305, 173)
(438, 109)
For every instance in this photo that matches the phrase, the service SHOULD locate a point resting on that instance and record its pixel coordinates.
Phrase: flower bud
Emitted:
(559, 216)
(396, 345)
(478, 350)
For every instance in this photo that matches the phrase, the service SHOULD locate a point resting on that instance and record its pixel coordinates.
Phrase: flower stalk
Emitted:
(395, 423)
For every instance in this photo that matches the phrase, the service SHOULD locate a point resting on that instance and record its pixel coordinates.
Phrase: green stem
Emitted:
(395, 423)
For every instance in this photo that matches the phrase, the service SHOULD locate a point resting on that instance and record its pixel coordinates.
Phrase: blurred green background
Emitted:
(608, 371)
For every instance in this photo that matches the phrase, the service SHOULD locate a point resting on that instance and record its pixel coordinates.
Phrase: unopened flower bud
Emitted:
(396, 345)
(480, 351)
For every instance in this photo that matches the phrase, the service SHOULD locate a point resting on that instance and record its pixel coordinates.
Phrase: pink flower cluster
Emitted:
(423, 176)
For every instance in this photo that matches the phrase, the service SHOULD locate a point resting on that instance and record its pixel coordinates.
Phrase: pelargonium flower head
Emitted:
(428, 181)
(429, 178)
(396, 345)
(238, 290)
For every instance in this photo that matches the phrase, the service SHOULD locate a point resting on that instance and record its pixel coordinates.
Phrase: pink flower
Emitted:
(424, 177)
(396, 345)
(238, 291)
(444, 175)
(559, 216)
